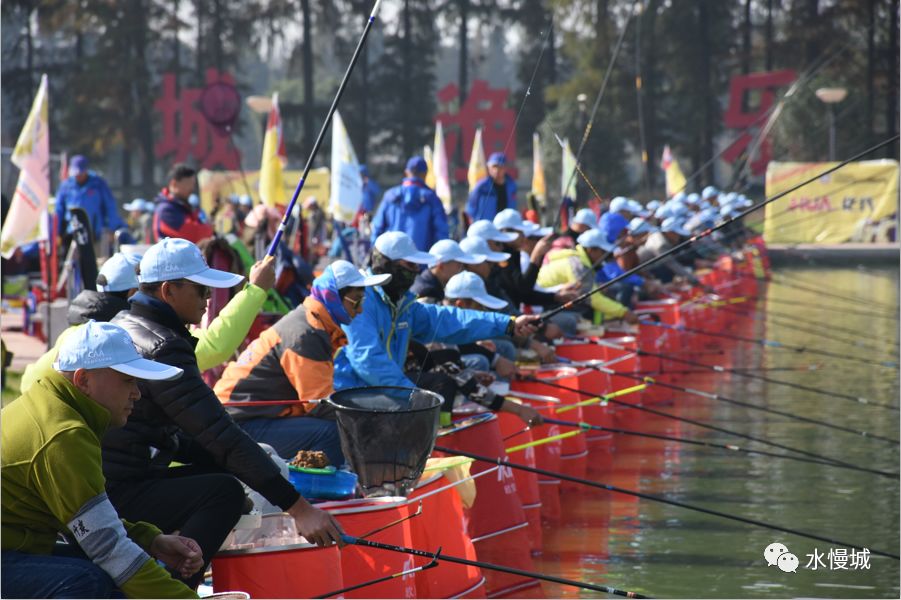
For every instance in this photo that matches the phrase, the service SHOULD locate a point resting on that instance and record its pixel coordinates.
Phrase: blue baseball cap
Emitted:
(175, 258)
(121, 272)
(397, 245)
(586, 216)
(674, 225)
(449, 250)
(692, 198)
(709, 192)
(417, 164)
(194, 200)
(531, 229)
(364, 171)
(509, 218)
(347, 275)
(639, 225)
(486, 230)
(479, 246)
(594, 238)
(653, 205)
(106, 346)
(469, 286)
(635, 207)
(245, 200)
(497, 158)
(78, 164)
(619, 204)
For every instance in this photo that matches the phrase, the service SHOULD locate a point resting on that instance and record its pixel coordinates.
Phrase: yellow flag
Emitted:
(477, 168)
(272, 189)
(26, 220)
(430, 175)
(675, 180)
(539, 187)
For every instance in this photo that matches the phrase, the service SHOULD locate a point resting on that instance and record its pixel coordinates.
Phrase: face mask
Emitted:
(401, 281)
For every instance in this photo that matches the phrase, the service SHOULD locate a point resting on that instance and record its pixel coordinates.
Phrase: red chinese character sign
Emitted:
(737, 117)
(484, 107)
(187, 131)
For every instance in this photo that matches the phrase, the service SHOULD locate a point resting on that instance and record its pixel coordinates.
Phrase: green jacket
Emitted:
(52, 481)
(216, 344)
(566, 266)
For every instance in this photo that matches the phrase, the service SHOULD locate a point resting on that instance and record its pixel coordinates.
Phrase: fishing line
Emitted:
(821, 292)
(663, 500)
(730, 447)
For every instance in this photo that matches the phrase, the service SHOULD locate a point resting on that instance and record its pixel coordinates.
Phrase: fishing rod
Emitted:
(706, 444)
(862, 269)
(283, 226)
(822, 292)
(766, 343)
(707, 232)
(822, 307)
(694, 422)
(349, 539)
(812, 367)
(429, 565)
(798, 386)
(661, 499)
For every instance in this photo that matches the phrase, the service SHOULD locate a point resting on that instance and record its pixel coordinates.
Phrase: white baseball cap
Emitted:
(347, 275)
(594, 238)
(509, 218)
(104, 345)
(635, 207)
(397, 245)
(449, 250)
(531, 229)
(175, 258)
(477, 245)
(486, 230)
(586, 216)
(468, 285)
(619, 204)
(639, 225)
(674, 225)
(121, 272)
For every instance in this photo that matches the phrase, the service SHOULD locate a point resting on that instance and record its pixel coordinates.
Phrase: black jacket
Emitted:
(520, 287)
(182, 419)
(428, 286)
(100, 306)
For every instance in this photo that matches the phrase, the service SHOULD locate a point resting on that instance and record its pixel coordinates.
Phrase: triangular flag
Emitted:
(32, 156)
(346, 182)
(439, 170)
(568, 172)
(478, 170)
(272, 186)
(430, 174)
(675, 180)
(539, 187)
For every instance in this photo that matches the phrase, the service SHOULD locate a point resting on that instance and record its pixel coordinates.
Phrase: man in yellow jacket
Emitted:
(52, 482)
(579, 265)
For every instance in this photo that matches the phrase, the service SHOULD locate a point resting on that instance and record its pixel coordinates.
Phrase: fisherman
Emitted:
(52, 482)
(174, 216)
(671, 233)
(451, 259)
(613, 222)
(378, 340)
(494, 193)
(184, 421)
(371, 191)
(579, 266)
(89, 191)
(583, 220)
(412, 208)
(292, 360)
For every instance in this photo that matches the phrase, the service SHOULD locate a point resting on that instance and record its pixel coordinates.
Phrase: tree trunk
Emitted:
(217, 34)
(462, 76)
(176, 45)
(706, 142)
(307, 55)
(871, 66)
(769, 36)
(813, 16)
(198, 67)
(746, 40)
(552, 53)
(649, 86)
(364, 96)
(406, 84)
(891, 112)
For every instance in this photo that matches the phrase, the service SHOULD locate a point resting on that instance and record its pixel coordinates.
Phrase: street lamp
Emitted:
(831, 97)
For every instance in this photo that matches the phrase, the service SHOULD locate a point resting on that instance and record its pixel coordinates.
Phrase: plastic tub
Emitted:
(327, 484)
(279, 572)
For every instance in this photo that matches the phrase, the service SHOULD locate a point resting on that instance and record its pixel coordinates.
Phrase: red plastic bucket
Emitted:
(280, 572)
(622, 350)
(526, 482)
(360, 564)
(496, 522)
(441, 524)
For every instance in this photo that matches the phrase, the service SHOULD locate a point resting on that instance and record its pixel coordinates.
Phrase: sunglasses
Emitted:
(203, 290)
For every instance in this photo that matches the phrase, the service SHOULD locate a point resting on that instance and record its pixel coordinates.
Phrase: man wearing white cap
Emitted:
(579, 266)
(52, 482)
(429, 284)
(184, 421)
(378, 340)
(292, 361)
(671, 233)
(613, 222)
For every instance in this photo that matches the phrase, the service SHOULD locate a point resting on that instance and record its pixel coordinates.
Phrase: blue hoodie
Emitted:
(482, 203)
(378, 338)
(413, 208)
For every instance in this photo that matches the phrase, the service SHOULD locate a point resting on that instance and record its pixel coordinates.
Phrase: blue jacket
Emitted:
(413, 208)
(95, 198)
(371, 191)
(612, 224)
(612, 269)
(377, 339)
(482, 203)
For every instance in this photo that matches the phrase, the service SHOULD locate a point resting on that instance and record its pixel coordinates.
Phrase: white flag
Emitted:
(32, 156)
(346, 182)
(440, 168)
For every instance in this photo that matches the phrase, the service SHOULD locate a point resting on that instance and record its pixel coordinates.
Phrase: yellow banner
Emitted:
(222, 184)
(854, 204)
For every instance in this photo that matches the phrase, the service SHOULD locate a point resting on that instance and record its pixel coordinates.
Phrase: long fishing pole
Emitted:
(283, 226)
(706, 444)
(348, 539)
(798, 386)
(890, 309)
(661, 499)
(429, 565)
(707, 232)
(767, 343)
(652, 372)
(694, 422)
(823, 307)
(821, 292)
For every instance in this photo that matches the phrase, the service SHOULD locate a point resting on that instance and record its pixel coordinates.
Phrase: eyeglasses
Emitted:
(203, 290)
(354, 303)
